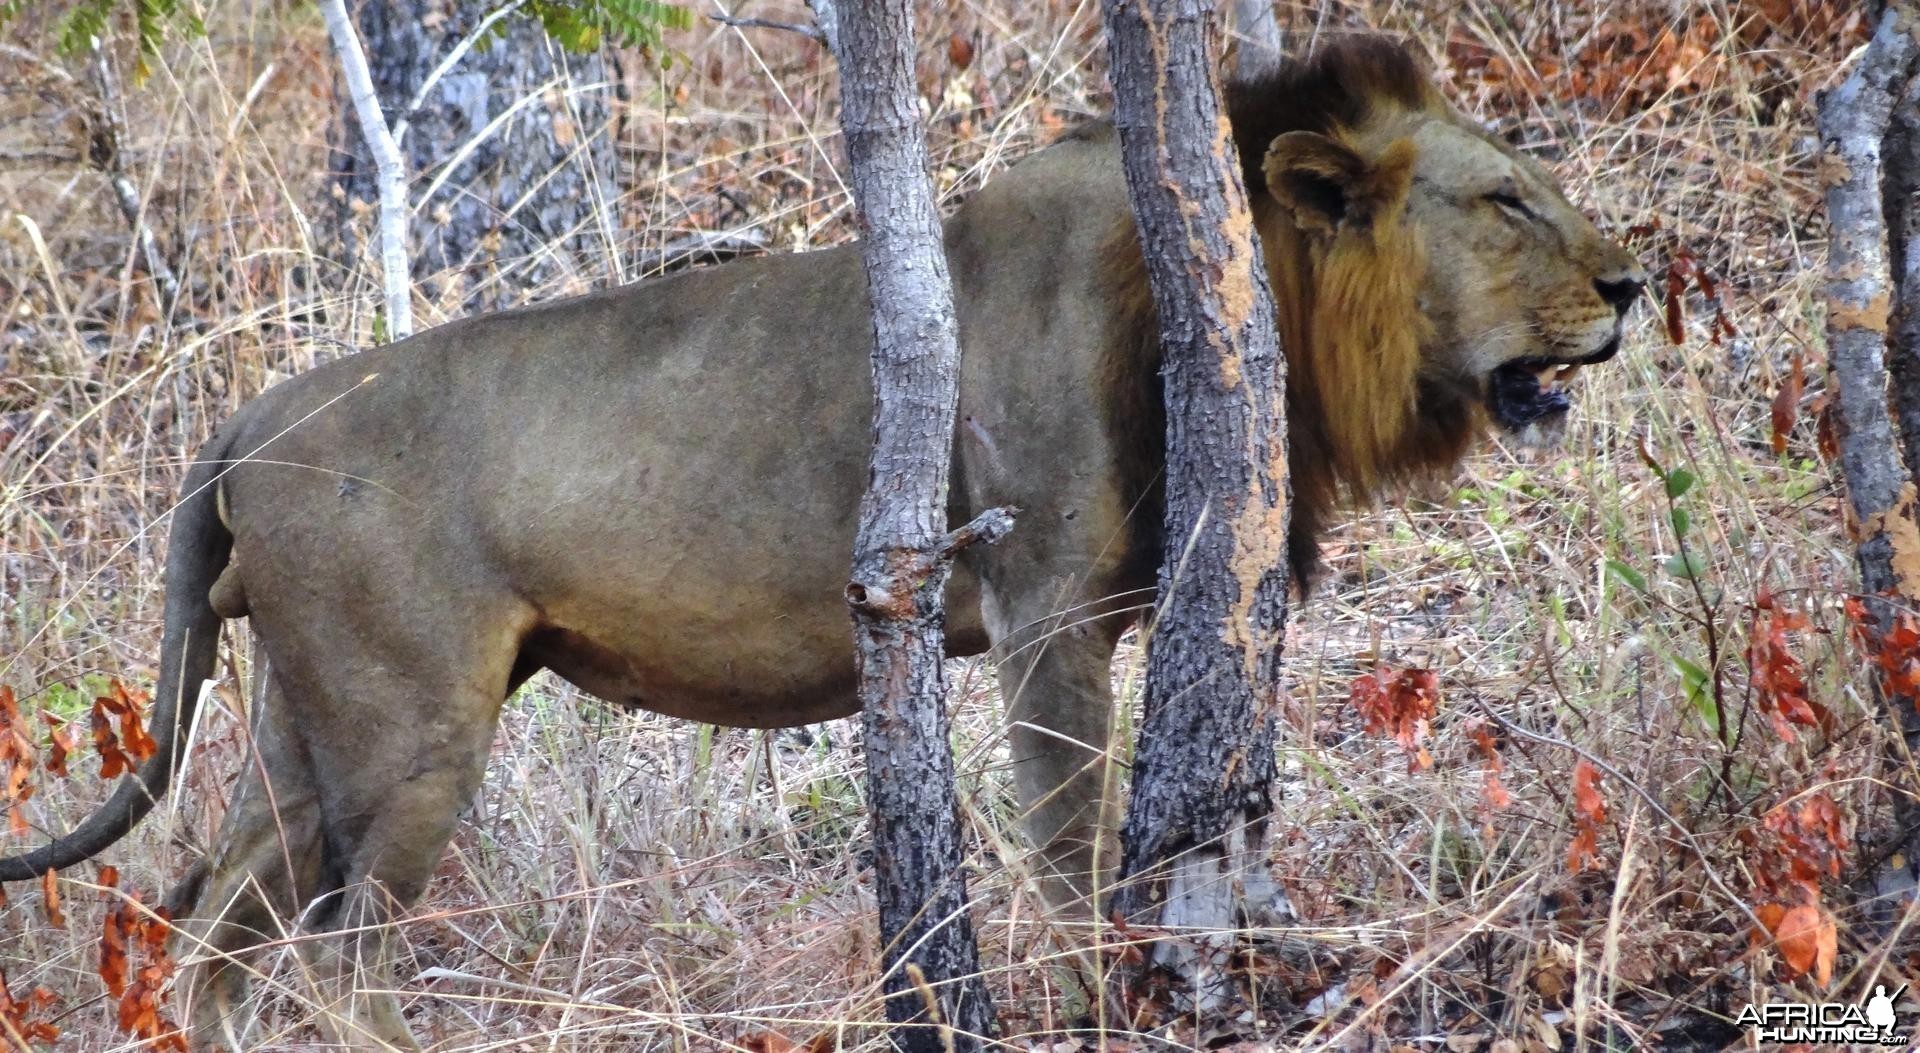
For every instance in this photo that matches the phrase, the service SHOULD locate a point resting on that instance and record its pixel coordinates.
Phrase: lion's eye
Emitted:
(1510, 201)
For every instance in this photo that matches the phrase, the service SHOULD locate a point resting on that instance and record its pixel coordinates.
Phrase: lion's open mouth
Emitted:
(1528, 391)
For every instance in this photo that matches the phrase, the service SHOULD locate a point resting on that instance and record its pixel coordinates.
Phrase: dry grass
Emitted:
(635, 882)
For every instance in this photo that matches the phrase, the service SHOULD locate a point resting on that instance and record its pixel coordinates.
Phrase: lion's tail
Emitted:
(196, 555)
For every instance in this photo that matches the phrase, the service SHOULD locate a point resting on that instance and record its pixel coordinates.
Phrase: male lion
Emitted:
(652, 490)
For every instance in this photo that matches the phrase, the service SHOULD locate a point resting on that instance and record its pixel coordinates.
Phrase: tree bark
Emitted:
(1196, 828)
(511, 164)
(1854, 126)
(903, 553)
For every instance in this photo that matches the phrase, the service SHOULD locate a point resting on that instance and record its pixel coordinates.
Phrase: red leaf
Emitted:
(113, 761)
(959, 51)
(1775, 672)
(1786, 405)
(64, 744)
(1400, 704)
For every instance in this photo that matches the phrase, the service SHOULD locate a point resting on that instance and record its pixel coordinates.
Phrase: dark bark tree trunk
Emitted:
(524, 204)
(1195, 833)
(1854, 129)
(903, 554)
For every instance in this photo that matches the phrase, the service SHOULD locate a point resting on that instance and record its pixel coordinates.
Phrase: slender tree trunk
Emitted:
(1257, 44)
(522, 126)
(389, 169)
(903, 554)
(1854, 128)
(1195, 833)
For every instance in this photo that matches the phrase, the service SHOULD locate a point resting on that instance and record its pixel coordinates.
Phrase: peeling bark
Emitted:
(1854, 126)
(903, 553)
(1196, 828)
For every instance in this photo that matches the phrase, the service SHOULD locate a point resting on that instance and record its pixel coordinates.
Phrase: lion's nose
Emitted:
(1620, 292)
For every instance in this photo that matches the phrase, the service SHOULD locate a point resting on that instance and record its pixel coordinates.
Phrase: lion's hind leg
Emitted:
(397, 714)
(265, 864)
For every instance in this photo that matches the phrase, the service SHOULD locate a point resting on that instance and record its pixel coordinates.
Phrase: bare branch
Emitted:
(828, 19)
(390, 170)
(109, 135)
(812, 33)
(446, 64)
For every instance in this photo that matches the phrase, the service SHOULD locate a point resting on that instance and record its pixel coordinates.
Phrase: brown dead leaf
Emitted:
(1786, 404)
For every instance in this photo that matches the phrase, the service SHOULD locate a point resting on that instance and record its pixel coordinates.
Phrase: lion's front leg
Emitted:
(1055, 676)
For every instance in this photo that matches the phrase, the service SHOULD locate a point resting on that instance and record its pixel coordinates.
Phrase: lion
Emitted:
(652, 491)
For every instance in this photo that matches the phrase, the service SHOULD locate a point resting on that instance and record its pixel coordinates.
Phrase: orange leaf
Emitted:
(50, 891)
(1807, 940)
(1494, 792)
(1586, 792)
(1582, 849)
(959, 51)
(769, 1042)
(61, 733)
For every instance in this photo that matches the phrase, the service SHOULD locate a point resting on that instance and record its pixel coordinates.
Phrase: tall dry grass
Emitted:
(631, 882)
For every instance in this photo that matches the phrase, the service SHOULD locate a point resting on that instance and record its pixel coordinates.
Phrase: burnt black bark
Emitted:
(903, 553)
(1203, 772)
(523, 205)
(1863, 205)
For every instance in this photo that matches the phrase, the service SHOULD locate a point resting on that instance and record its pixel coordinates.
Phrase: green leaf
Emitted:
(1632, 577)
(1679, 481)
(1681, 522)
(1685, 565)
(1698, 697)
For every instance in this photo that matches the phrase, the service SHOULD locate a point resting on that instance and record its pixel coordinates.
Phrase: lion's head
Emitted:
(1428, 277)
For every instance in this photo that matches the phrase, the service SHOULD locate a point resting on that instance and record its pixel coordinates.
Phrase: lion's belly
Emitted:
(725, 657)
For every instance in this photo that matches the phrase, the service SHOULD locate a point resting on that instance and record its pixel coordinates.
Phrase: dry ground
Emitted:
(641, 883)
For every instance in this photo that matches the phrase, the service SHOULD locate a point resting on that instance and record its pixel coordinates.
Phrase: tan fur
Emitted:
(652, 491)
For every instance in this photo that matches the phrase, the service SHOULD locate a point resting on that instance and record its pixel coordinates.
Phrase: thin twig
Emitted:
(401, 126)
(812, 33)
(109, 135)
(1679, 828)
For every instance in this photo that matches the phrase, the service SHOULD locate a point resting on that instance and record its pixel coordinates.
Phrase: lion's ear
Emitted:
(1326, 184)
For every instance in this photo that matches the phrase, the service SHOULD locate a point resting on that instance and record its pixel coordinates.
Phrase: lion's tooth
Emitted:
(1544, 376)
(1565, 375)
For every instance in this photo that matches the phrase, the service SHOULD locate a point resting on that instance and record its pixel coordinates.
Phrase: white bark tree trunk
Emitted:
(396, 274)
